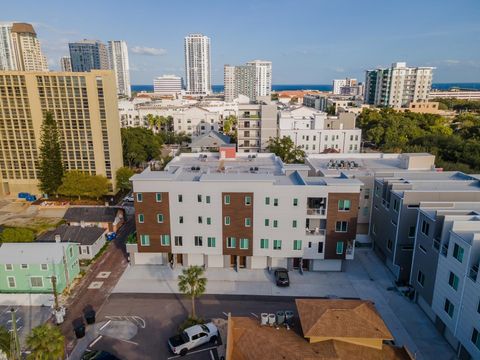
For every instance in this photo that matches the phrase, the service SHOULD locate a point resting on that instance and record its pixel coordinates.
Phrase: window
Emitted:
(178, 241)
(275, 223)
(180, 198)
(211, 242)
(341, 226)
(263, 243)
(165, 240)
(199, 198)
(339, 248)
(449, 308)
(24, 266)
(396, 205)
(476, 338)
(421, 278)
(11, 282)
(160, 218)
(453, 280)
(248, 200)
(295, 202)
(267, 222)
(145, 240)
(71, 251)
(158, 197)
(343, 205)
(294, 223)
(139, 197)
(227, 220)
(180, 219)
(367, 194)
(231, 242)
(267, 201)
(389, 244)
(275, 202)
(425, 228)
(198, 241)
(36, 281)
(209, 221)
(374, 229)
(8, 267)
(458, 252)
(297, 244)
(207, 199)
(226, 199)
(277, 244)
(320, 247)
(200, 220)
(141, 218)
(45, 266)
(411, 231)
(244, 243)
(248, 222)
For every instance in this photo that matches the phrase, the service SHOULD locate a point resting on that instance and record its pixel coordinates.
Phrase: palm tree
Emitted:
(4, 342)
(46, 342)
(192, 283)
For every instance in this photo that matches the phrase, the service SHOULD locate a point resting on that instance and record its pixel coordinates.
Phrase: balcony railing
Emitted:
(436, 244)
(444, 251)
(316, 211)
(473, 273)
(316, 231)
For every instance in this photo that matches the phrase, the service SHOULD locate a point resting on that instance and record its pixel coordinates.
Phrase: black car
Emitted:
(281, 277)
(98, 355)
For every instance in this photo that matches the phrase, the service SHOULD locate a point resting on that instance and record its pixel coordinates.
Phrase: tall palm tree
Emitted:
(46, 342)
(4, 341)
(192, 283)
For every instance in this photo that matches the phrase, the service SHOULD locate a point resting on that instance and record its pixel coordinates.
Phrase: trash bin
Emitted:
(280, 317)
(264, 319)
(271, 319)
(288, 317)
(90, 317)
(79, 331)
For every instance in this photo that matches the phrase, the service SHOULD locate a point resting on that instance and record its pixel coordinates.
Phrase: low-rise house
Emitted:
(89, 239)
(334, 329)
(29, 267)
(210, 141)
(108, 217)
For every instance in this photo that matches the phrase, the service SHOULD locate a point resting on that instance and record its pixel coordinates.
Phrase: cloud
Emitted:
(149, 51)
(451, 62)
(339, 70)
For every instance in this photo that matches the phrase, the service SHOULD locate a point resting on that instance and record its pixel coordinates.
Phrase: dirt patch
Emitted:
(37, 224)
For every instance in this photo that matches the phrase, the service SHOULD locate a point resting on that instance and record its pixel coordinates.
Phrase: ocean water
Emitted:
(322, 87)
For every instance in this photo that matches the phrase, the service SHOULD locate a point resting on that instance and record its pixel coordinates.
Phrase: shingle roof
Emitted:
(32, 253)
(212, 138)
(75, 234)
(341, 318)
(91, 214)
(252, 341)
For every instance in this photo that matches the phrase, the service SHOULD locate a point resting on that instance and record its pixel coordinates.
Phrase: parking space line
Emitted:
(105, 325)
(128, 341)
(95, 341)
(192, 352)
(254, 315)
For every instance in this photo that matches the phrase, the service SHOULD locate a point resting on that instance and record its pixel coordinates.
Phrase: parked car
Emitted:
(192, 337)
(281, 277)
(98, 355)
(128, 198)
(111, 236)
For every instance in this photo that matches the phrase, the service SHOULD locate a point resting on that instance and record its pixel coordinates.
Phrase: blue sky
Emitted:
(308, 41)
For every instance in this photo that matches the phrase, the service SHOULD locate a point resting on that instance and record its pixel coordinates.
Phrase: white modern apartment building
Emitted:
(398, 85)
(243, 210)
(263, 77)
(251, 80)
(167, 85)
(315, 132)
(20, 48)
(455, 94)
(339, 83)
(65, 64)
(118, 58)
(197, 64)
(257, 123)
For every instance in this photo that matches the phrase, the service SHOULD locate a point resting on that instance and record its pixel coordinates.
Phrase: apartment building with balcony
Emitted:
(257, 123)
(239, 210)
(396, 201)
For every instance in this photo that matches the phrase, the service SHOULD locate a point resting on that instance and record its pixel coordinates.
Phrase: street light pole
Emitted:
(15, 353)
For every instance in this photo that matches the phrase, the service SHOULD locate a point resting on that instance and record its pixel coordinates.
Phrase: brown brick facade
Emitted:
(237, 211)
(334, 215)
(150, 207)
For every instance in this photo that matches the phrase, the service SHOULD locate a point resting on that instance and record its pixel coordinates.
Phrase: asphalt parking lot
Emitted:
(27, 317)
(163, 313)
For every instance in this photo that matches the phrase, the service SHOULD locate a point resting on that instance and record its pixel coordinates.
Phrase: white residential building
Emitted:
(315, 132)
(243, 210)
(7, 53)
(167, 85)
(251, 80)
(65, 64)
(197, 64)
(263, 77)
(256, 124)
(118, 58)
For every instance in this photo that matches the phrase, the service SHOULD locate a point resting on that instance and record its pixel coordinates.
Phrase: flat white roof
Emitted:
(32, 253)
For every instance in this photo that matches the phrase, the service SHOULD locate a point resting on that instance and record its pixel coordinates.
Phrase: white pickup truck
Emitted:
(192, 337)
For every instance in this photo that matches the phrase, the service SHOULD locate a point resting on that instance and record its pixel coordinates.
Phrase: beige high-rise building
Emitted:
(85, 108)
(26, 48)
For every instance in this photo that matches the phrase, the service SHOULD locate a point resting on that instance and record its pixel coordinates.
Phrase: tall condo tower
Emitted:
(197, 64)
(118, 57)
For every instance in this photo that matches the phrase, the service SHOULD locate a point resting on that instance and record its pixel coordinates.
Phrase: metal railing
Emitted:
(444, 251)
(473, 273)
(316, 211)
(316, 232)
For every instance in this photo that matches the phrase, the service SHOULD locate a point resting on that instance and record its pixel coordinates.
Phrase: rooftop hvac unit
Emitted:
(263, 319)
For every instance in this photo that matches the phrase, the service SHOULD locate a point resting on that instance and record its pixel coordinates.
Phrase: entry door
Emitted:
(296, 263)
(180, 259)
(243, 261)
(233, 260)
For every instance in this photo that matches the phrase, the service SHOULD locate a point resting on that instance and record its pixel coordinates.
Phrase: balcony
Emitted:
(444, 250)
(473, 273)
(316, 206)
(314, 211)
(315, 232)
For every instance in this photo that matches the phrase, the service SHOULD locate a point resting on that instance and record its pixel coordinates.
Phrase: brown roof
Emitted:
(252, 341)
(341, 318)
(23, 28)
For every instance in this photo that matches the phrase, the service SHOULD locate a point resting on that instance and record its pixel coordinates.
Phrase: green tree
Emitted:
(51, 166)
(4, 341)
(192, 283)
(46, 342)
(139, 145)
(331, 110)
(123, 178)
(96, 186)
(74, 183)
(286, 150)
(16, 235)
